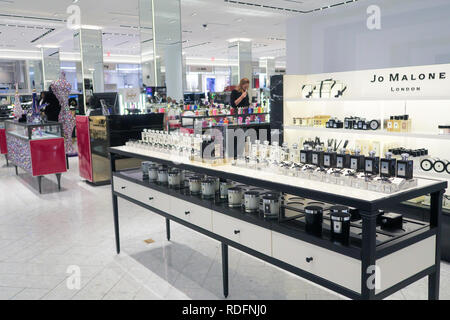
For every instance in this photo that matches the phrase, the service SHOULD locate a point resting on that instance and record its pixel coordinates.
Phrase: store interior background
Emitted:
(41, 234)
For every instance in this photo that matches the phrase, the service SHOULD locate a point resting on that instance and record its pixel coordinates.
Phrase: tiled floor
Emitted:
(42, 237)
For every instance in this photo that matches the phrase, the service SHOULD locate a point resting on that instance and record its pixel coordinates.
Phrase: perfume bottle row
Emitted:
(385, 175)
(202, 148)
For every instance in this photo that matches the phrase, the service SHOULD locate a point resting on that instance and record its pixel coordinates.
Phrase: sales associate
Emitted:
(239, 97)
(52, 108)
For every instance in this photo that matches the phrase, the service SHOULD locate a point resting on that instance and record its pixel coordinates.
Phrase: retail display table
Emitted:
(375, 264)
(37, 148)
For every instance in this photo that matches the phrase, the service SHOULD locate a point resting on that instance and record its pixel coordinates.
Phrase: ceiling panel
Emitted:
(206, 24)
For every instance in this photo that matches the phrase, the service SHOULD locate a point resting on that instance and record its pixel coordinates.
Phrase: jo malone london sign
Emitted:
(421, 82)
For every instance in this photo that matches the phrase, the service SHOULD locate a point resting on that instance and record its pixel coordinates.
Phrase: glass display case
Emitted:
(48, 130)
(38, 149)
(95, 134)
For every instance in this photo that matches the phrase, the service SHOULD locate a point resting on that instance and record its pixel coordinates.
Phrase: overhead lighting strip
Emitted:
(249, 4)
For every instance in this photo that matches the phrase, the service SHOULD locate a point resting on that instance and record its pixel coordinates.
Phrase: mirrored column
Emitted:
(240, 51)
(51, 65)
(89, 43)
(36, 77)
(161, 45)
(269, 65)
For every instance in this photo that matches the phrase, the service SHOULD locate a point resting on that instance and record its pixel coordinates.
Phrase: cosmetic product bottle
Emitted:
(329, 158)
(357, 161)
(343, 160)
(294, 154)
(306, 155)
(405, 167)
(372, 164)
(388, 166)
(317, 157)
(397, 124)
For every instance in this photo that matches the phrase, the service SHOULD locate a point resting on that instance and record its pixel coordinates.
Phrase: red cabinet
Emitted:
(84, 148)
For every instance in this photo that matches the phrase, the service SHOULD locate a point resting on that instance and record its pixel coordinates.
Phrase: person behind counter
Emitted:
(52, 107)
(239, 97)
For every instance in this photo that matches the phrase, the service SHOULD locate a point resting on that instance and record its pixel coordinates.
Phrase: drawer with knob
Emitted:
(249, 235)
(321, 262)
(142, 194)
(192, 213)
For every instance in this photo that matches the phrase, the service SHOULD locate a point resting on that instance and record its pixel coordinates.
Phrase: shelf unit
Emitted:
(383, 133)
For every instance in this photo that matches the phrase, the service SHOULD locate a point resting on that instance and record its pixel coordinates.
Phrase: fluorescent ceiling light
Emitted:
(239, 39)
(48, 46)
(86, 26)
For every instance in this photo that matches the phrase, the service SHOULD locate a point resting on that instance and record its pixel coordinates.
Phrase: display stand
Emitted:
(36, 148)
(372, 266)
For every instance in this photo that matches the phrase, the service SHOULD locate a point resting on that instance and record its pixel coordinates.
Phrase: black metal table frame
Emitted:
(369, 252)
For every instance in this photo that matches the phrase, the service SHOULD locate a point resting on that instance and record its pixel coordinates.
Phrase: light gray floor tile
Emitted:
(41, 236)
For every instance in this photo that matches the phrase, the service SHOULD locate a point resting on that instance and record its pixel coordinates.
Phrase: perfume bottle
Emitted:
(294, 154)
(284, 152)
(388, 166)
(329, 158)
(357, 161)
(317, 157)
(343, 160)
(405, 167)
(306, 155)
(372, 164)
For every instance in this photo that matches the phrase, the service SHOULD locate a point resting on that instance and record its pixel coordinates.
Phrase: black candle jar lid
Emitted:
(252, 193)
(444, 127)
(271, 198)
(337, 209)
(234, 189)
(341, 216)
(208, 181)
(174, 171)
(313, 210)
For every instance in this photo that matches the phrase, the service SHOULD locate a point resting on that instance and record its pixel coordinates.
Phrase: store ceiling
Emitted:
(24, 24)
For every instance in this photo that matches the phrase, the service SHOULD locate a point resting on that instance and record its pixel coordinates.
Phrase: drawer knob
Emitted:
(124, 188)
(151, 198)
(237, 231)
(187, 212)
(309, 259)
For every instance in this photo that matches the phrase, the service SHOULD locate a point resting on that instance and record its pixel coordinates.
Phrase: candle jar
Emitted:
(174, 178)
(163, 175)
(314, 219)
(195, 185)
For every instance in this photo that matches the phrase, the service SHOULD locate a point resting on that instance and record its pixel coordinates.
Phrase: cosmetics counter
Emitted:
(294, 224)
(291, 216)
(95, 134)
(349, 113)
(36, 148)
